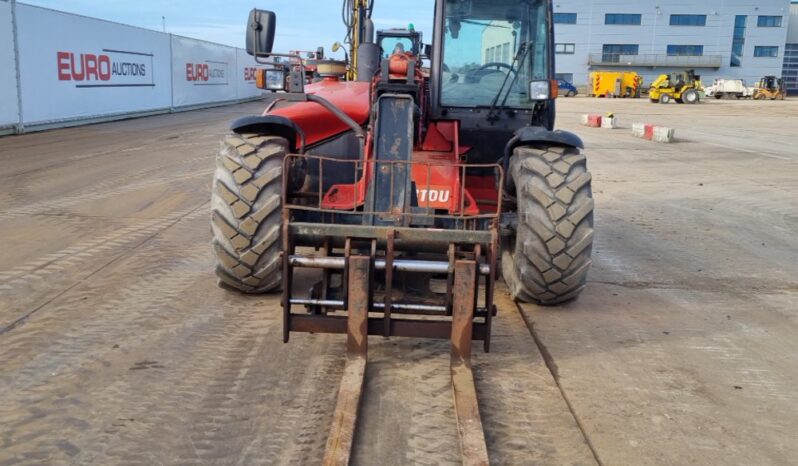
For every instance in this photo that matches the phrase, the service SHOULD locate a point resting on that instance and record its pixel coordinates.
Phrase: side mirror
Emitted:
(260, 32)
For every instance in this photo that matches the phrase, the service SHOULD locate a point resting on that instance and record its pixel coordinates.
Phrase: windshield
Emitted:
(493, 48)
(391, 45)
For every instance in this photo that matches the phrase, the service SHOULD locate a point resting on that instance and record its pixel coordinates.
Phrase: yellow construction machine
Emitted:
(770, 87)
(615, 84)
(683, 87)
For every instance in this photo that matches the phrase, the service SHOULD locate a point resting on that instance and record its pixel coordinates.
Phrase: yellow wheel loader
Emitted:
(683, 87)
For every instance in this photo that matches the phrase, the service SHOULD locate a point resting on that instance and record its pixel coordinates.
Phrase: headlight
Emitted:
(275, 80)
(539, 90)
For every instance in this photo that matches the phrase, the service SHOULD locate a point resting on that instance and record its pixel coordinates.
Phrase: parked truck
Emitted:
(729, 88)
(615, 84)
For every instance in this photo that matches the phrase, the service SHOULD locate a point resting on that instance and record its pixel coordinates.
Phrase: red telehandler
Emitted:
(406, 183)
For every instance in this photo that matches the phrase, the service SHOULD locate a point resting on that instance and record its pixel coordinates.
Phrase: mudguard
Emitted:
(271, 124)
(537, 134)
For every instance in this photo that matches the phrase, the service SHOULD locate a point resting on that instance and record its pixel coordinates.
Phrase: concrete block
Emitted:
(592, 121)
(653, 132)
(609, 122)
(663, 134)
(649, 132)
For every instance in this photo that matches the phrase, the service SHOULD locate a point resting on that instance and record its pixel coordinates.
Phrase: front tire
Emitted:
(246, 215)
(665, 99)
(548, 259)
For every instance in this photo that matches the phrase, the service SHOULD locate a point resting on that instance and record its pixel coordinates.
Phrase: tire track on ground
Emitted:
(198, 409)
(68, 347)
(525, 418)
(51, 363)
(62, 337)
(310, 412)
(162, 143)
(100, 191)
(38, 274)
(209, 374)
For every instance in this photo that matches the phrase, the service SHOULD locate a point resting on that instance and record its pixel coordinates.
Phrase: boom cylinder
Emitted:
(368, 60)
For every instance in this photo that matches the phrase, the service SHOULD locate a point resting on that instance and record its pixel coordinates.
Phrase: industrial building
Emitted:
(717, 38)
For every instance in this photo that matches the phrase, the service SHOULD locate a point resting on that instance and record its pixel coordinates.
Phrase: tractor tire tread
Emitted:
(246, 212)
(550, 258)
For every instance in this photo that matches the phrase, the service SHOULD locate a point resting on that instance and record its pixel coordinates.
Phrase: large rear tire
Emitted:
(548, 259)
(246, 212)
(691, 96)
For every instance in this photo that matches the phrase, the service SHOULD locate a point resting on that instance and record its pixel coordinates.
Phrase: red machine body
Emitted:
(441, 183)
(318, 123)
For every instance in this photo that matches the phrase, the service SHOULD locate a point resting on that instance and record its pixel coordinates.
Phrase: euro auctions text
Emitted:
(110, 68)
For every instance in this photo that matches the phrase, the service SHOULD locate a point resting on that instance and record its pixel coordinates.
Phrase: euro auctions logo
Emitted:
(111, 68)
(250, 74)
(208, 73)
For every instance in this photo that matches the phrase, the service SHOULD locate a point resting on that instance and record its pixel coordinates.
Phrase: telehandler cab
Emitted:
(412, 180)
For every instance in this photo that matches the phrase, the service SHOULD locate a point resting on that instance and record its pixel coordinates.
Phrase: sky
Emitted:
(301, 24)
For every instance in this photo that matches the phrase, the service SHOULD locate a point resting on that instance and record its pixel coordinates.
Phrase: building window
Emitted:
(623, 18)
(506, 52)
(492, 54)
(611, 53)
(766, 51)
(565, 49)
(738, 42)
(688, 20)
(685, 50)
(564, 18)
(768, 22)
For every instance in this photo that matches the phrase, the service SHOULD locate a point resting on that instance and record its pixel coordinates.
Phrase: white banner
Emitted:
(9, 111)
(77, 67)
(246, 75)
(202, 72)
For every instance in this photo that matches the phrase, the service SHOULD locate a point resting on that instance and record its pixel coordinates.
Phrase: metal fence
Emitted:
(101, 71)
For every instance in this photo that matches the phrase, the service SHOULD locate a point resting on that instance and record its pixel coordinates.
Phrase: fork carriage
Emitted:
(411, 237)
